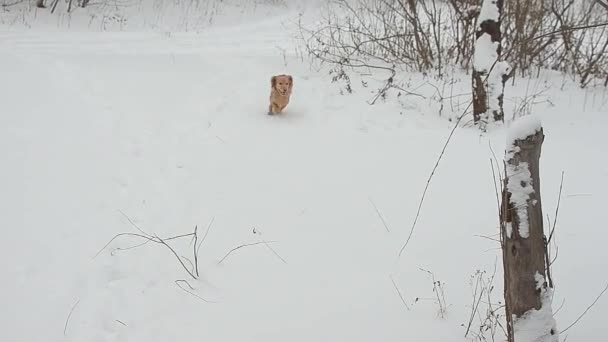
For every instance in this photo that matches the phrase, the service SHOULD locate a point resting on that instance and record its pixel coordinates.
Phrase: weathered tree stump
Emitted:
(489, 73)
(527, 295)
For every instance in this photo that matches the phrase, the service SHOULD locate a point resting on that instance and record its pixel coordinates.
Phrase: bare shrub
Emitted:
(439, 295)
(487, 316)
(433, 36)
(384, 34)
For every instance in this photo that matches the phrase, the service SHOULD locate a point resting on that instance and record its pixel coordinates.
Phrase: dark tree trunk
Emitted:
(490, 27)
(523, 239)
(40, 4)
(480, 101)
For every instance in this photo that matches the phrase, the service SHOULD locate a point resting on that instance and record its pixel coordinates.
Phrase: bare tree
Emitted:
(527, 285)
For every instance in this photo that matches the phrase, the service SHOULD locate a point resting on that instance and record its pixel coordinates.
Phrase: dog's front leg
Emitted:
(273, 109)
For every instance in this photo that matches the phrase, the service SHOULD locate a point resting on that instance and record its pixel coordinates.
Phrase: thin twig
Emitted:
(428, 181)
(379, 215)
(547, 258)
(445, 146)
(475, 306)
(586, 310)
(204, 236)
(560, 307)
(154, 239)
(487, 237)
(67, 320)
(189, 261)
(258, 232)
(241, 246)
(559, 198)
(133, 223)
(399, 293)
(178, 282)
(568, 29)
(602, 3)
(148, 238)
(274, 252)
(500, 223)
(177, 256)
(119, 235)
(194, 250)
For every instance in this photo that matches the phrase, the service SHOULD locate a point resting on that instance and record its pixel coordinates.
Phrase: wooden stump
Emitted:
(523, 239)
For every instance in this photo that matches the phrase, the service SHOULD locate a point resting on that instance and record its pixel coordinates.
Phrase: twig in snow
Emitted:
(487, 237)
(241, 246)
(67, 320)
(439, 294)
(560, 307)
(121, 322)
(200, 244)
(274, 252)
(189, 291)
(428, 181)
(149, 238)
(548, 262)
(445, 146)
(258, 232)
(559, 199)
(586, 310)
(194, 250)
(476, 302)
(133, 223)
(154, 239)
(379, 215)
(399, 293)
(189, 261)
(177, 256)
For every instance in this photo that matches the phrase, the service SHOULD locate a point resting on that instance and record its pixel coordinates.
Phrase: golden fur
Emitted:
(280, 92)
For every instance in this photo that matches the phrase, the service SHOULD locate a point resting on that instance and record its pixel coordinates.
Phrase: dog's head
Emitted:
(282, 84)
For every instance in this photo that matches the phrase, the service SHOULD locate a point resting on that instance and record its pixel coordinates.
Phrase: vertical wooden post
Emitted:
(488, 77)
(523, 240)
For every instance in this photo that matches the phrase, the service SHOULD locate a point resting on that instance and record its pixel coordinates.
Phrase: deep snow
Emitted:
(170, 129)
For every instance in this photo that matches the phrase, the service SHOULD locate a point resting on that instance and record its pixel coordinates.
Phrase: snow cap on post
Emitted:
(523, 127)
(488, 12)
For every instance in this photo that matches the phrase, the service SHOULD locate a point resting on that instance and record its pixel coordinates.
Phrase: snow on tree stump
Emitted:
(489, 72)
(527, 294)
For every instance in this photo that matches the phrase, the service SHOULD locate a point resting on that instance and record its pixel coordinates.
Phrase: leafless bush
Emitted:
(536, 94)
(432, 36)
(438, 291)
(486, 320)
(382, 34)
(543, 34)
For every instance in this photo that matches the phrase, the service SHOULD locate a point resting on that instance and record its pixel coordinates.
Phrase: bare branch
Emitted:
(189, 291)
(67, 321)
(602, 3)
(241, 246)
(379, 215)
(399, 293)
(586, 310)
(569, 29)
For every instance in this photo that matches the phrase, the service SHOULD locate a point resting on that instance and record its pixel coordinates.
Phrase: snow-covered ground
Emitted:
(169, 129)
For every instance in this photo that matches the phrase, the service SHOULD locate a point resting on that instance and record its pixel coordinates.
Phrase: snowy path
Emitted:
(172, 131)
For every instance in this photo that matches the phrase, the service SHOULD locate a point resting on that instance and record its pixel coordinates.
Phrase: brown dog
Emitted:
(280, 92)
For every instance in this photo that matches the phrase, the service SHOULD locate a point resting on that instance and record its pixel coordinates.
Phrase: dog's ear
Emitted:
(290, 80)
(273, 81)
